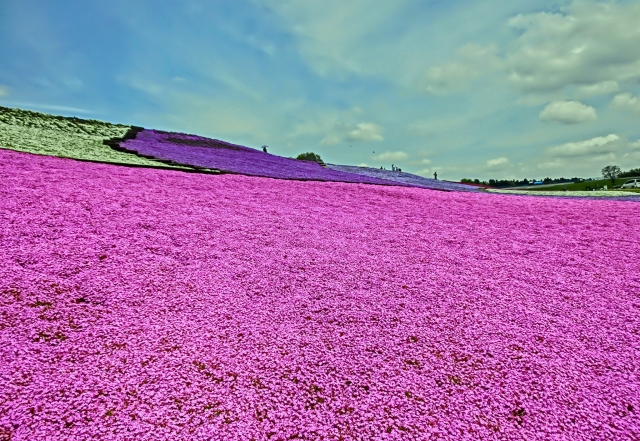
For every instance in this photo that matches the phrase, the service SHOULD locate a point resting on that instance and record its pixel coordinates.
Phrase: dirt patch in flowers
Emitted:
(211, 143)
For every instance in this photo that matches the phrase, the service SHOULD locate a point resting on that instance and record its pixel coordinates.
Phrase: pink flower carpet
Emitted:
(140, 304)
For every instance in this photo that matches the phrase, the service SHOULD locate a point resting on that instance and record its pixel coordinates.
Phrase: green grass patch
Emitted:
(42, 134)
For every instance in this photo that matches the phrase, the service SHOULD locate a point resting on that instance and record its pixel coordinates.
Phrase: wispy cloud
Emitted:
(498, 164)
(360, 132)
(474, 61)
(600, 145)
(626, 101)
(602, 88)
(50, 108)
(365, 132)
(392, 156)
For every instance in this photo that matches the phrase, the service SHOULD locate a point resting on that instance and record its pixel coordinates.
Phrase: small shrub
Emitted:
(309, 156)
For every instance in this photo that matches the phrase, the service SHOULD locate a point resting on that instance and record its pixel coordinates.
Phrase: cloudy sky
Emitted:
(470, 88)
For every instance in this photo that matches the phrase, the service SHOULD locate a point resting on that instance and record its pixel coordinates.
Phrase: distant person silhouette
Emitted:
(435, 175)
(264, 148)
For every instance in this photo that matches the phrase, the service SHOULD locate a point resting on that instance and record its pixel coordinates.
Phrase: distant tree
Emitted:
(611, 172)
(634, 172)
(309, 156)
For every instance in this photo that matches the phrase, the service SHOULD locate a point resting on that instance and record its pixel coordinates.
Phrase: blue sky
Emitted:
(503, 89)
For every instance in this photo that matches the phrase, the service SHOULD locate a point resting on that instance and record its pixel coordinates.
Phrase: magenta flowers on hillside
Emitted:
(140, 304)
(212, 153)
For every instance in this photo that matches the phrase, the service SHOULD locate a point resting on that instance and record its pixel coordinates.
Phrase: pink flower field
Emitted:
(142, 304)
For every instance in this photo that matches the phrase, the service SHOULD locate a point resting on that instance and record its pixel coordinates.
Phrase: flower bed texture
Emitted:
(232, 158)
(157, 305)
(43, 134)
(405, 178)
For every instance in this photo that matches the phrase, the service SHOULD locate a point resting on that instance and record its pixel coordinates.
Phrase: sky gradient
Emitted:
(480, 89)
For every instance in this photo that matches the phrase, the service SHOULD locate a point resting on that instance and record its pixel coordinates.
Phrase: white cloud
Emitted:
(390, 40)
(391, 156)
(448, 78)
(626, 101)
(456, 76)
(365, 132)
(331, 139)
(601, 145)
(498, 164)
(4, 90)
(329, 33)
(421, 129)
(601, 88)
(267, 48)
(588, 44)
(426, 161)
(360, 132)
(568, 112)
(631, 158)
(555, 164)
(142, 84)
(585, 158)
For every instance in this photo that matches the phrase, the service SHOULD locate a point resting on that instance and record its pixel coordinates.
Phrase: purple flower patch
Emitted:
(212, 153)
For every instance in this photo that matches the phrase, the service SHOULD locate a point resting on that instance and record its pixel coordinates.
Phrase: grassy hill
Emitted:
(582, 186)
(43, 134)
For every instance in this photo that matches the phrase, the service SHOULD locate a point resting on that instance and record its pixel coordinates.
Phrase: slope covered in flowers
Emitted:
(405, 178)
(216, 154)
(43, 134)
(154, 305)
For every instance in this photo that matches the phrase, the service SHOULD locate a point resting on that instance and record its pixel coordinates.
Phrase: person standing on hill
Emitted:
(264, 148)
(435, 175)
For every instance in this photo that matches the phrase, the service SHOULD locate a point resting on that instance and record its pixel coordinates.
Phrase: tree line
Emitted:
(611, 172)
(516, 183)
